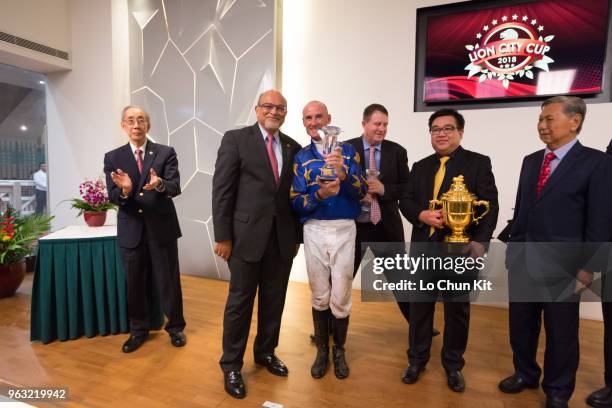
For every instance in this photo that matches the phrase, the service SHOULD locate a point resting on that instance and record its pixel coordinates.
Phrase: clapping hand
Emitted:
(154, 181)
(122, 180)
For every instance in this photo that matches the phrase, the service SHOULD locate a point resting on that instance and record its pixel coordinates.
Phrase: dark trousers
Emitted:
(562, 351)
(271, 275)
(606, 308)
(368, 232)
(160, 260)
(456, 329)
(41, 202)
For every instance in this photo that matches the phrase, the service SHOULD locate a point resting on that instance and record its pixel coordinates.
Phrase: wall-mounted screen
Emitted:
(524, 50)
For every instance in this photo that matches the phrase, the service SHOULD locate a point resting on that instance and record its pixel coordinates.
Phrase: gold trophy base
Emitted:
(457, 238)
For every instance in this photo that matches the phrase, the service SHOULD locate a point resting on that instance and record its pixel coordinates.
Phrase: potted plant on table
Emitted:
(18, 235)
(94, 202)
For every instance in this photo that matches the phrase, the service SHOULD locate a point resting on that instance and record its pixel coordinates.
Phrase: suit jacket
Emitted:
(394, 174)
(246, 202)
(609, 150)
(478, 178)
(575, 204)
(142, 208)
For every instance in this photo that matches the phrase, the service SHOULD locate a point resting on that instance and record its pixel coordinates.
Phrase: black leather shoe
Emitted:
(274, 365)
(133, 343)
(455, 380)
(602, 398)
(234, 385)
(555, 402)
(178, 339)
(435, 332)
(514, 384)
(411, 374)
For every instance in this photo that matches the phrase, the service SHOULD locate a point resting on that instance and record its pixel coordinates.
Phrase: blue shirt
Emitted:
(560, 153)
(366, 153)
(345, 205)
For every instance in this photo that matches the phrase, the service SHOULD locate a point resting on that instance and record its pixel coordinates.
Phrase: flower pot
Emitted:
(11, 277)
(95, 218)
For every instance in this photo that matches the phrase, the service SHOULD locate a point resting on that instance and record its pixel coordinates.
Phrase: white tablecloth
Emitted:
(82, 231)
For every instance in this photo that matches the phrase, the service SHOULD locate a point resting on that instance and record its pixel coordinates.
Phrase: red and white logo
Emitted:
(509, 47)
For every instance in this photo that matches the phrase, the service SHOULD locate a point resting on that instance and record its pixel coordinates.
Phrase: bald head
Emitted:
(314, 117)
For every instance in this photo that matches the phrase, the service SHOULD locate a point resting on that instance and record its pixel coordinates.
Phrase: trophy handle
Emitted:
(486, 211)
(434, 203)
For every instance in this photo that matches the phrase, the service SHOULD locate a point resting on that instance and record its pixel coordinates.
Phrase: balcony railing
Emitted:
(19, 194)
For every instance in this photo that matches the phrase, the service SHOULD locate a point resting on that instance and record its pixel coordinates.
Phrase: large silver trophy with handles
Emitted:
(329, 134)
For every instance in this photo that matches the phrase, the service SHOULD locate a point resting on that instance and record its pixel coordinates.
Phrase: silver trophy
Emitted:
(329, 134)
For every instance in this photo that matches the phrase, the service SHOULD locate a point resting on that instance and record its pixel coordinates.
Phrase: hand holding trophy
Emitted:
(459, 210)
(329, 134)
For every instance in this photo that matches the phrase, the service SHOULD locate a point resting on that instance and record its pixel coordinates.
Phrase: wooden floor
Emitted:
(159, 375)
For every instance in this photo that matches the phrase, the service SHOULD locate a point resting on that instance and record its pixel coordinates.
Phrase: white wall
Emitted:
(43, 21)
(350, 53)
(84, 105)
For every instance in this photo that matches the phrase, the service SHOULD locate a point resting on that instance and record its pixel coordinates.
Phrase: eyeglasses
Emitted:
(139, 121)
(445, 129)
(268, 107)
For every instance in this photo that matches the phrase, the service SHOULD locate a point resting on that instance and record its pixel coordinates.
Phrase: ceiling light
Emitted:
(23, 128)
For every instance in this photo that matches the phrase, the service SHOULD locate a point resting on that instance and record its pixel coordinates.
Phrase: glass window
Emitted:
(23, 163)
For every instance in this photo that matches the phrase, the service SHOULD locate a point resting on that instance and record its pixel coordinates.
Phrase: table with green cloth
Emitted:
(80, 288)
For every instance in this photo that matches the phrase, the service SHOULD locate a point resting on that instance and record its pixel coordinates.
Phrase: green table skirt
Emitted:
(80, 289)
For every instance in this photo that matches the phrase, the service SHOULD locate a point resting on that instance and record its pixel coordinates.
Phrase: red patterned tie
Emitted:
(544, 172)
(272, 158)
(139, 160)
(375, 207)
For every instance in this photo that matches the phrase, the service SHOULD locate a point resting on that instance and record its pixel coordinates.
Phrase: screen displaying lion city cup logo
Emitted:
(509, 48)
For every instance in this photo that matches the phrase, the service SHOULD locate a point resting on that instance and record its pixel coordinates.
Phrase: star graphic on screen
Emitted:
(494, 22)
(486, 28)
(479, 36)
(505, 18)
(541, 28)
(514, 17)
(525, 18)
(534, 22)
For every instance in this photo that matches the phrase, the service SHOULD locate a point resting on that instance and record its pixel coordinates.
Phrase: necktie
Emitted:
(272, 158)
(374, 207)
(438, 178)
(139, 160)
(544, 172)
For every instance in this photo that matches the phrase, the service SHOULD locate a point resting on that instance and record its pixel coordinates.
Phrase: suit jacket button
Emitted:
(141, 194)
(140, 210)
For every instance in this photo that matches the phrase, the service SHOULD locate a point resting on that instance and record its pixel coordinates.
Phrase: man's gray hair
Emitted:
(134, 107)
(572, 105)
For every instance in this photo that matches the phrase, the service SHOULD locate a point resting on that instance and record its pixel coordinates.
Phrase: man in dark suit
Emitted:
(142, 177)
(257, 232)
(430, 177)
(390, 161)
(562, 197)
(602, 398)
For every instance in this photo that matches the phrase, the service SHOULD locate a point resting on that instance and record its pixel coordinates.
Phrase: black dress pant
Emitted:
(606, 308)
(271, 275)
(456, 330)
(368, 232)
(562, 350)
(160, 260)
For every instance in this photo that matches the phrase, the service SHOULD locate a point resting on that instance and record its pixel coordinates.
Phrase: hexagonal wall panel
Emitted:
(197, 67)
(155, 108)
